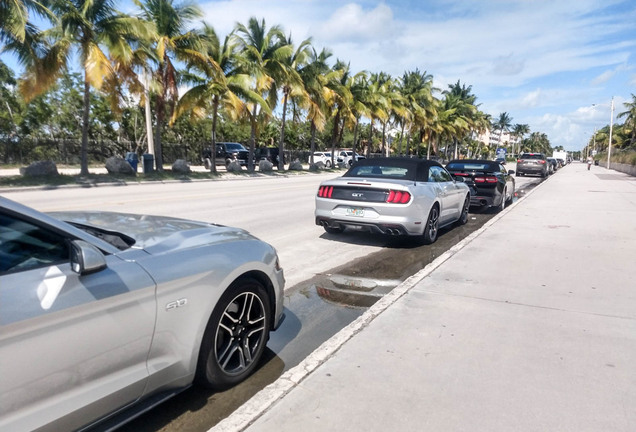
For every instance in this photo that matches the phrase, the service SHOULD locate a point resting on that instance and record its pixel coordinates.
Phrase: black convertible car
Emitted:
(491, 185)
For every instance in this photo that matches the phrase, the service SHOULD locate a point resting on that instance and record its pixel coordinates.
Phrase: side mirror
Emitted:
(86, 258)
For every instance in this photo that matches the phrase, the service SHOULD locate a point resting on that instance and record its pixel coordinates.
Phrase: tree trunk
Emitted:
(281, 145)
(250, 157)
(370, 139)
(401, 139)
(312, 146)
(355, 136)
(385, 150)
(215, 108)
(84, 148)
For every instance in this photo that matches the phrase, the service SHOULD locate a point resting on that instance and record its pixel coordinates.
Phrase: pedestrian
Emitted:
(589, 162)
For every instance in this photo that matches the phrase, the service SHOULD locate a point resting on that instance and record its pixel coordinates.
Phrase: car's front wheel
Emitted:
(504, 200)
(236, 335)
(328, 164)
(432, 226)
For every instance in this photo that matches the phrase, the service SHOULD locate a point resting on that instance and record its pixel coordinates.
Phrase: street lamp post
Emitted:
(609, 147)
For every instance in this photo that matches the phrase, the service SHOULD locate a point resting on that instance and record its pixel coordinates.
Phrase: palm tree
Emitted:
(291, 85)
(630, 119)
(519, 130)
(216, 82)
(339, 102)
(262, 56)
(416, 87)
(315, 76)
(503, 123)
(173, 42)
(88, 26)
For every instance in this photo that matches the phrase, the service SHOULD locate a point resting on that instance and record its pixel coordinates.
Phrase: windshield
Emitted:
(532, 156)
(235, 147)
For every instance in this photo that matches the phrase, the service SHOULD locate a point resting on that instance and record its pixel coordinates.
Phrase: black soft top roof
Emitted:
(417, 169)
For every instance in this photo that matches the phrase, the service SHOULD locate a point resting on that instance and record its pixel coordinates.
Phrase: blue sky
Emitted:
(552, 64)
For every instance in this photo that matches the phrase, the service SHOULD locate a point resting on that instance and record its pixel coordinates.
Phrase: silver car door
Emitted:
(72, 348)
(447, 193)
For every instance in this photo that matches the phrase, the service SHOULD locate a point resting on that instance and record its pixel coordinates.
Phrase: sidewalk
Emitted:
(527, 325)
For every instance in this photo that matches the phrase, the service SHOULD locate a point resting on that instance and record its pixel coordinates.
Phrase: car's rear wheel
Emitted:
(328, 164)
(512, 195)
(504, 198)
(463, 218)
(236, 335)
(432, 226)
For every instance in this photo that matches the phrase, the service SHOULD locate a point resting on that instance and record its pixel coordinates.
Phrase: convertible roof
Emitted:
(412, 165)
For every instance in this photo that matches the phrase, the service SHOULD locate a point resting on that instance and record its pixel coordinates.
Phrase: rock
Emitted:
(316, 166)
(40, 168)
(180, 166)
(265, 166)
(234, 166)
(118, 165)
(295, 166)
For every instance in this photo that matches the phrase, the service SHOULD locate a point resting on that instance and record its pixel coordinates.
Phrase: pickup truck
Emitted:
(346, 157)
(226, 152)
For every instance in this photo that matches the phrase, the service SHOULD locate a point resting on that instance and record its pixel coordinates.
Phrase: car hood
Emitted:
(156, 234)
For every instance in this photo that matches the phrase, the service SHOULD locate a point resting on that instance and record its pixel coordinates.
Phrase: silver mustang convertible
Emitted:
(103, 315)
(395, 196)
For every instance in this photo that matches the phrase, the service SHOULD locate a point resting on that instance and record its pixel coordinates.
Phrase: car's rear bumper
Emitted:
(362, 225)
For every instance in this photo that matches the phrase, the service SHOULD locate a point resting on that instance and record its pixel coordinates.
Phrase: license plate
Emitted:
(358, 212)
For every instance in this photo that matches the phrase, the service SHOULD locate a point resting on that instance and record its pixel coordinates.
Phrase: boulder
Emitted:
(180, 166)
(234, 166)
(40, 168)
(265, 165)
(295, 166)
(118, 165)
(317, 166)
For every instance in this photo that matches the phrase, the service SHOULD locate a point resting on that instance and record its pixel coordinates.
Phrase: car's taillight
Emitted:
(542, 161)
(398, 197)
(485, 179)
(518, 160)
(325, 191)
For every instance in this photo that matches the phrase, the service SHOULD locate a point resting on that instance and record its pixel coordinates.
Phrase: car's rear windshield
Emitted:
(532, 156)
(383, 170)
(460, 166)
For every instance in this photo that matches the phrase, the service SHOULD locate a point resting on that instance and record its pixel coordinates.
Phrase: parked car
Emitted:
(104, 315)
(226, 152)
(395, 196)
(491, 184)
(268, 153)
(501, 160)
(533, 163)
(324, 157)
(346, 158)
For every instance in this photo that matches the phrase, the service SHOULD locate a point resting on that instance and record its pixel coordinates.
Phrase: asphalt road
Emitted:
(320, 268)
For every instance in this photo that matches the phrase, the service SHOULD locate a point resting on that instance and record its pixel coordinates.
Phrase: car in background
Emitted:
(268, 153)
(555, 164)
(490, 183)
(346, 158)
(394, 196)
(533, 163)
(105, 315)
(324, 157)
(501, 160)
(226, 153)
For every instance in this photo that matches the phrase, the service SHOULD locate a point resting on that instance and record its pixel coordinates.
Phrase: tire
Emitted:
(512, 195)
(504, 199)
(328, 164)
(333, 230)
(236, 335)
(432, 226)
(207, 163)
(463, 218)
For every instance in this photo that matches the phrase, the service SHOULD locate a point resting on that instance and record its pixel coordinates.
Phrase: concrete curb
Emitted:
(260, 403)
